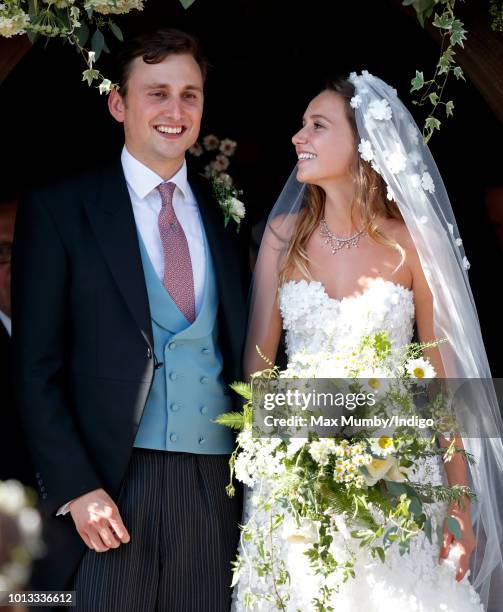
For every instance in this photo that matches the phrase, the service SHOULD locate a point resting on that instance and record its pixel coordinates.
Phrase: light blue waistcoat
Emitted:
(188, 390)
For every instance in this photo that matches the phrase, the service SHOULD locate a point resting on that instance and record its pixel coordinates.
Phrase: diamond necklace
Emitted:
(335, 243)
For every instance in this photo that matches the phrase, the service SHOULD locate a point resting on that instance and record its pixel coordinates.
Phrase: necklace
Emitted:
(335, 243)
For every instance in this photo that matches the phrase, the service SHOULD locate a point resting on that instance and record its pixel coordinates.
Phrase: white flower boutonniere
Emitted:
(215, 170)
(227, 197)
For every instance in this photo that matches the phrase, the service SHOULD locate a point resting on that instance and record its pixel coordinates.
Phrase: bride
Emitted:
(363, 240)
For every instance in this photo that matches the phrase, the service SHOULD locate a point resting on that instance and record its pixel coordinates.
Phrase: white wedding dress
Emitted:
(314, 323)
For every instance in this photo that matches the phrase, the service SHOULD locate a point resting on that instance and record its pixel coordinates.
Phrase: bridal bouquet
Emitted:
(367, 485)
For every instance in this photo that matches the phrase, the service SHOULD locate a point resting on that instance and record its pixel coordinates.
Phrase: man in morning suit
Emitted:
(14, 454)
(128, 323)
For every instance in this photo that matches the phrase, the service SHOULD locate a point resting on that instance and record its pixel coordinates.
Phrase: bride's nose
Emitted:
(299, 137)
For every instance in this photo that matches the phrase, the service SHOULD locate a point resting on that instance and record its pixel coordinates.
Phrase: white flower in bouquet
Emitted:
(306, 532)
(228, 147)
(387, 469)
(382, 445)
(294, 445)
(320, 450)
(211, 142)
(420, 368)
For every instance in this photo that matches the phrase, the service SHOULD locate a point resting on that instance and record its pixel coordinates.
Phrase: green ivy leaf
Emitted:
(445, 61)
(417, 82)
(432, 123)
(97, 43)
(454, 527)
(449, 107)
(443, 21)
(423, 8)
(117, 32)
(433, 98)
(187, 3)
(458, 73)
(458, 34)
(90, 75)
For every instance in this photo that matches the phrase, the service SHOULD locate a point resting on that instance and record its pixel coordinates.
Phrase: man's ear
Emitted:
(116, 105)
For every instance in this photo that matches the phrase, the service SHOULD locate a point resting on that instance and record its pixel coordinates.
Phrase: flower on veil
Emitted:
(365, 150)
(380, 110)
(396, 162)
(415, 157)
(413, 133)
(427, 182)
(356, 101)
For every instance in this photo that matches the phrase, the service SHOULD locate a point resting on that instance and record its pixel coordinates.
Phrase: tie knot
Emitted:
(166, 190)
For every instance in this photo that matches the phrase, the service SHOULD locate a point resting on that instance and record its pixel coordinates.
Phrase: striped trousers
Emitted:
(184, 534)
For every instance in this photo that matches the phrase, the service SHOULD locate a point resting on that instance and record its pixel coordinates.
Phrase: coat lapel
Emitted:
(226, 262)
(111, 216)
(222, 250)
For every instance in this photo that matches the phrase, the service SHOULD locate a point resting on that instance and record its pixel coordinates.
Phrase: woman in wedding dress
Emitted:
(363, 240)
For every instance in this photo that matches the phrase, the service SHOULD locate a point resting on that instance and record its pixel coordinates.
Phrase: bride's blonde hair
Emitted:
(370, 199)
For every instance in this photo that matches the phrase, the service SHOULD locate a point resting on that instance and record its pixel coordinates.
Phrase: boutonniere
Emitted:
(227, 197)
(222, 184)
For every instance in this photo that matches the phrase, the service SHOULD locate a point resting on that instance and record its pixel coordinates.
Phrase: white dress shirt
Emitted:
(6, 322)
(146, 201)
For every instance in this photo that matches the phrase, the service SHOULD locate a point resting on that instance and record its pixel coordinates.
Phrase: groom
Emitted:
(128, 322)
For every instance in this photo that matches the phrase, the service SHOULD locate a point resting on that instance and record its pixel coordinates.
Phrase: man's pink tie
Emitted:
(178, 278)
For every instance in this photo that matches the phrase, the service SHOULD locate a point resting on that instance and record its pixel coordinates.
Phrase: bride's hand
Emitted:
(466, 543)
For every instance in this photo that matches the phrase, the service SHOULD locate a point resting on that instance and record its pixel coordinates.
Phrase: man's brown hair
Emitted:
(154, 47)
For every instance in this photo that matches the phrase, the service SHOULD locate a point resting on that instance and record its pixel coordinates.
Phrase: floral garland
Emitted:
(72, 20)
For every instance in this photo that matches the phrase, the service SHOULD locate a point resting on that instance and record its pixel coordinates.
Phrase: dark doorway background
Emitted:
(268, 59)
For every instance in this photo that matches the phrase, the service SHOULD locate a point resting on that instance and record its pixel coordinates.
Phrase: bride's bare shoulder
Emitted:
(396, 229)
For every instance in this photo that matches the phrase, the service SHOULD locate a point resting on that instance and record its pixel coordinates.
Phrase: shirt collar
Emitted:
(142, 180)
(6, 322)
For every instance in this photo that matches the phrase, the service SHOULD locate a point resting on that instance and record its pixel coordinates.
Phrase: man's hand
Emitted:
(98, 521)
